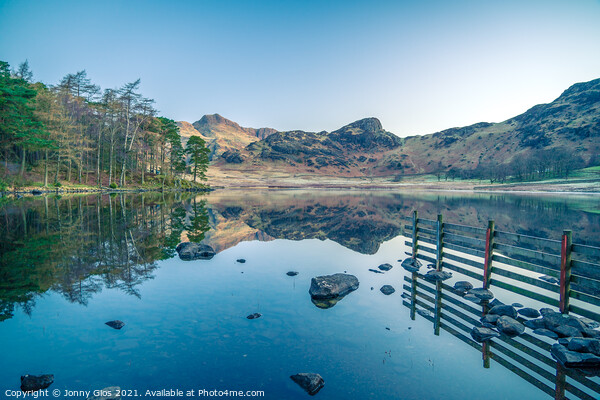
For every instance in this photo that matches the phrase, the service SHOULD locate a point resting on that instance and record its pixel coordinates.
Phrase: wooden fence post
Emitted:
(565, 271)
(489, 253)
(439, 243)
(414, 235)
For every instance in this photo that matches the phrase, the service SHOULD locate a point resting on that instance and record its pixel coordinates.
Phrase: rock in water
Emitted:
(332, 286)
(529, 312)
(510, 326)
(108, 393)
(573, 359)
(291, 273)
(189, 251)
(481, 334)
(582, 345)
(375, 270)
(33, 383)
(504, 310)
(463, 286)
(411, 264)
(254, 316)
(490, 319)
(435, 276)
(310, 382)
(549, 279)
(385, 267)
(116, 324)
(387, 289)
(241, 260)
(545, 332)
(482, 294)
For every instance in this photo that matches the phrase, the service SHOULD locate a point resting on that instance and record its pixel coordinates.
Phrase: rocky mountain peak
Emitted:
(370, 124)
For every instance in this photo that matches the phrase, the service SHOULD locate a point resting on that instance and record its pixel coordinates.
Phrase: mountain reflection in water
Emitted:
(77, 246)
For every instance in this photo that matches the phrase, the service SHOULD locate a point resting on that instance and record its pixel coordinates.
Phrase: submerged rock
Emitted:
(435, 276)
(291, 273)
(108, 393)
(310, 382)
(387, 289)
(482, 294)
(254, 316)
(510, 326)
(504, 310)
(241, 260)
(189, 251)
(116, 324)
(33, 383)
(411, 264)
(332, 286)
(385, 267)
(529, 312)
(481, 334)
(375, 270)
(549, 279)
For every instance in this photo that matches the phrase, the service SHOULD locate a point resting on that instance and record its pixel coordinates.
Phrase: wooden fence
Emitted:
(496, 258)
(512, 262)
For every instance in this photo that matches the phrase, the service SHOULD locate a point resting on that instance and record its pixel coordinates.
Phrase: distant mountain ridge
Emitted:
(568, 125)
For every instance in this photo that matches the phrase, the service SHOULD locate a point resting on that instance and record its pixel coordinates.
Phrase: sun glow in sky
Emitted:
(419, 66)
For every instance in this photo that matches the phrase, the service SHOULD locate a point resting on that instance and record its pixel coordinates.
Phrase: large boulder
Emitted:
(194, 251)
(332, 286)
(32, 383)
(509, 326)
(310, 382)
(411, 264)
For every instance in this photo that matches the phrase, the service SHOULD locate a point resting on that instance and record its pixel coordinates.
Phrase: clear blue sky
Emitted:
(419, 66)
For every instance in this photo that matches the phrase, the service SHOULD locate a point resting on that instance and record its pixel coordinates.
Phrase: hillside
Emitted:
(567, 128)
(221, 134)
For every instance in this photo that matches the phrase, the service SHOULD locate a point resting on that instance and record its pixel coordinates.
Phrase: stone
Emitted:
(241, 260)
(375, 270)
(482, 294)
(387, 289)
(591, 333)
(481, 334)
(490, 319)
(189, 251)
(385, 267)
(590, 323)
(108, 393)
(509, 326)
(535, 323)
(529, 312)
(254, 316)
(36, 192)
(411, 265)
(463, 286)
(504, 310)
(332, 286)
(584, 345)
(564, 331)
(435, 276)
(473, 298)
(546, 332)
(545, 311)
(310, 382)
(116, 324)
(32, 383)
(573, 359)
(517, 305)
(291, 273)
(549, 279)
(495, 303)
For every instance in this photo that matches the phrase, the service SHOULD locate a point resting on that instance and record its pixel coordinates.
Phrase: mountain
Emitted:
(223, 135)
(567, 129)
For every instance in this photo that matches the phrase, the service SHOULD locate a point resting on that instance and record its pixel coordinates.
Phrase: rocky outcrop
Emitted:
(33, 383)
(189, 251)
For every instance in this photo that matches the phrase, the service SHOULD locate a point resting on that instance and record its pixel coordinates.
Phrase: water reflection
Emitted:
(79, 245)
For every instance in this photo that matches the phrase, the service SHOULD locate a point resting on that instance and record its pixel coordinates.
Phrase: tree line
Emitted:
(77, 133)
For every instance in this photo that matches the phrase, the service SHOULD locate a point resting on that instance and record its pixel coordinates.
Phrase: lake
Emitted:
(69, 264)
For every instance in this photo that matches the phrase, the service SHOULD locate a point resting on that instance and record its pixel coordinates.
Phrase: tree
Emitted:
(198, 152)
(23, 72)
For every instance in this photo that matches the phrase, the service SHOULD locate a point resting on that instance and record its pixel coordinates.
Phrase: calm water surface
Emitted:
(67, 265)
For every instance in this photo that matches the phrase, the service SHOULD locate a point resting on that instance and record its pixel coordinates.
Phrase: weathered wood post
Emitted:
(485, 353)
(489, 253)
(415, 248)
(439, 243)
(561, 382)
(565, 271)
